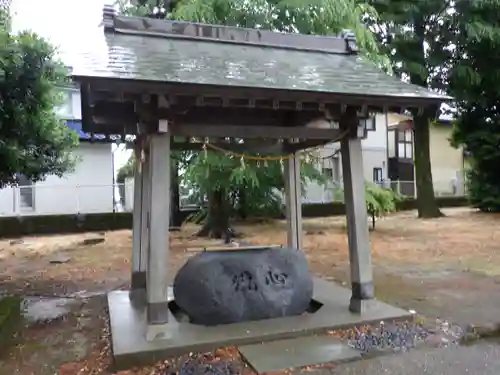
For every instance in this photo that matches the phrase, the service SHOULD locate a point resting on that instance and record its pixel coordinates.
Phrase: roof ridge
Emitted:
(152, 27)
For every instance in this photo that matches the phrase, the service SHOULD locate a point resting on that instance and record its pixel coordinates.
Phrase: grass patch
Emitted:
(10, 319)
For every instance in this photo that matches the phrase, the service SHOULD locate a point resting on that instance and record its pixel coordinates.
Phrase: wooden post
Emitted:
(357, 217)
(138, 282)
(146, 204)
(293, 202)
(157, 277)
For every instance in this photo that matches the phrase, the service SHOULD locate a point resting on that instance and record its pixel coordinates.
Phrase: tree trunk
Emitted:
(426, 201)
(175, 217)
(217, 221)
(242, 204)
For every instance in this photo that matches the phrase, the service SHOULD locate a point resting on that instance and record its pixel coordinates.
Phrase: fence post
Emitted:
(15, 201)
(77, 193)
(398, 187)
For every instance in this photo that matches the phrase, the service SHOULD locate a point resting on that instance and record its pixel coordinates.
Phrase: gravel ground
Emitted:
(401, 337)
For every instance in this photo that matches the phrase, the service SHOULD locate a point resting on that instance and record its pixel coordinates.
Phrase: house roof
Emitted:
(188, 53)
(398, 120)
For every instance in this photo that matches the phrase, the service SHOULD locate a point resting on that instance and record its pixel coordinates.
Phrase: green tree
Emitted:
(241, 187)
(417, 35)
(474, 82)
(34, 142)
(229, 184)
(177, 158)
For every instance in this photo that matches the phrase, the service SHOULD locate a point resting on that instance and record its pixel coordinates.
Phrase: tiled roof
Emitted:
(152, 52)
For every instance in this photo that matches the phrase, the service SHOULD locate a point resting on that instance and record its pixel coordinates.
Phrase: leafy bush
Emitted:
(379, 201)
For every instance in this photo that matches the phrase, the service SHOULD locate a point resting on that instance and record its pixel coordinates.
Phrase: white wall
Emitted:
(446, 162)
(7, 201)
(89, 189)
(378, 138)
(374, 156)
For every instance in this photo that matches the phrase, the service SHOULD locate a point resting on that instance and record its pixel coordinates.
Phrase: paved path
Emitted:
(479, 359)
(461, 298)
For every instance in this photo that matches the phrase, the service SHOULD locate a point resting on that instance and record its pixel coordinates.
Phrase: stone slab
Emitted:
(128, 326)
(298, 352)
(37, 309)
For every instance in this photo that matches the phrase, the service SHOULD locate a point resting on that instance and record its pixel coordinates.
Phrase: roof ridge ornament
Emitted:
(350, 41)
(108, 17)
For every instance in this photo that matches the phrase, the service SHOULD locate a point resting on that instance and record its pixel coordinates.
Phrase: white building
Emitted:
(374, 161)
(88, 189)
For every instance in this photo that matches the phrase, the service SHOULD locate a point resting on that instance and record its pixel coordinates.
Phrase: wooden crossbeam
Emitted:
(231, 248)
(241, 131)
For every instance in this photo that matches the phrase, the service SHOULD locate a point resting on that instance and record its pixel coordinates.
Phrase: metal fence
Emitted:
(442, 188)
(451, 187)
(45, 199)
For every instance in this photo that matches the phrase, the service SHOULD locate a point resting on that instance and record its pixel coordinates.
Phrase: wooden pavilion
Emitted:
(175, 84)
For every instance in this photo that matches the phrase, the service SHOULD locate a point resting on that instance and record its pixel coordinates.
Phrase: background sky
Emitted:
(70, 25)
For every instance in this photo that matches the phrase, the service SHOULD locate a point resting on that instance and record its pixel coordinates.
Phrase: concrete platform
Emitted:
(298, 352)
(128, 326)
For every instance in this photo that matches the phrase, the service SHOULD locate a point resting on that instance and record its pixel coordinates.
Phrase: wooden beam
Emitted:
(268, 148)
(168, 88)
(128, 112)
(239, 131)
(232, 248)
(294, 147)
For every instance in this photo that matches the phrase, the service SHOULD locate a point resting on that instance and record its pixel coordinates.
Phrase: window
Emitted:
(405, 144)
(336, 169)
(331, 170)
(328, 172)
(369, 123)
(391, 144)
(26, 192)
(377, 174)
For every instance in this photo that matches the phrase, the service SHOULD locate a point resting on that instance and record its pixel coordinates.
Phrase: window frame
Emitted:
(404, 142)
(377, 172)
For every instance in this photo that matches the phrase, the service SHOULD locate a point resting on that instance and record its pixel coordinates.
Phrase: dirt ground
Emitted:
(441, 267)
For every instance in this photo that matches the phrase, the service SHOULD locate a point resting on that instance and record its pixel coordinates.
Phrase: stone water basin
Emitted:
(222, 287)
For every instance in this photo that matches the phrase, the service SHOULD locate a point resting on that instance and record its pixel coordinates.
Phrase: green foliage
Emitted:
(474, 81)
(126, 171)
(33, 140)
(404, 27)
(253, 188)
(379, 201)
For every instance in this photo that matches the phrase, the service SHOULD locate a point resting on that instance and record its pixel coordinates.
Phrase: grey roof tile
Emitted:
(177, 60)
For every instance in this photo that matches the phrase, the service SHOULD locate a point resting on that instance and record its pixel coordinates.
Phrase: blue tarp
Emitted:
(76, 125)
